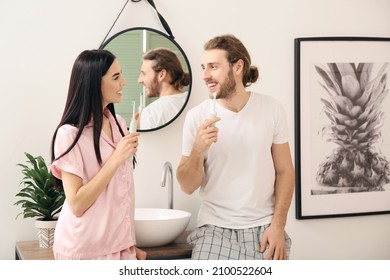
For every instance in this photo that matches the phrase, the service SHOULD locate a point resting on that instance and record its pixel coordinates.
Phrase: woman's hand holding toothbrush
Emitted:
(126, 147)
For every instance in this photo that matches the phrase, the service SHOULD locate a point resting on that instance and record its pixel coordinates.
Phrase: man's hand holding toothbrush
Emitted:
(208, 132)
(207, 135)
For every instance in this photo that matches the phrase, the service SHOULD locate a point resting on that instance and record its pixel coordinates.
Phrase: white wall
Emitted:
(40, 40)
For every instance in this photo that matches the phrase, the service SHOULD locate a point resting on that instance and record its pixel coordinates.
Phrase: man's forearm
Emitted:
(190, 173)
(284, 189)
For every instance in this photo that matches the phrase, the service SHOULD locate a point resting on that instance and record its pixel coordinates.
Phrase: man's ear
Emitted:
(239, 65)
(162, 74)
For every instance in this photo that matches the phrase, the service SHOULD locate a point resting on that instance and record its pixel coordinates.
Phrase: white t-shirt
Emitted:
(238, 191)
(162, 110)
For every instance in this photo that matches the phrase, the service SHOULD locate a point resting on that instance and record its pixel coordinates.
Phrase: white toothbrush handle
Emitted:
(132, 128)
(212, 115)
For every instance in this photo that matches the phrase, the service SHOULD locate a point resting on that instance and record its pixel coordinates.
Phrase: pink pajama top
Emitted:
(108, 225)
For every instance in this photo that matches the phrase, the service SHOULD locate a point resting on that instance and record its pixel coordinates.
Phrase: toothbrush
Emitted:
(141, 102)
(133, 122)
(213, 112)
(133, 125)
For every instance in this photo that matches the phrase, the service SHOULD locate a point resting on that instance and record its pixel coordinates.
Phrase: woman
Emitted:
(90, 152)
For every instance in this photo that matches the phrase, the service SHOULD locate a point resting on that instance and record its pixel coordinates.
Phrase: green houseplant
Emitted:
(39, 198)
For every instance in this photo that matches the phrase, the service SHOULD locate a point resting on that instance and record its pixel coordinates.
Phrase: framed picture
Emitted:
(342, 126)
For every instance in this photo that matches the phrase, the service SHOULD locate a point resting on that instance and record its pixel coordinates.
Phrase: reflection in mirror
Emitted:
(149, 87)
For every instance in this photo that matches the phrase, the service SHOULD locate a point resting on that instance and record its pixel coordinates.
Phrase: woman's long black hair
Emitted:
(85, 101)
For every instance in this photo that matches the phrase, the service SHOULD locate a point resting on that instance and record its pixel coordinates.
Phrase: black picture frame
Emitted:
(337, 145)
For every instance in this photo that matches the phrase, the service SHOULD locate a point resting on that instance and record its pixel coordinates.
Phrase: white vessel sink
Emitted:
(158, 226)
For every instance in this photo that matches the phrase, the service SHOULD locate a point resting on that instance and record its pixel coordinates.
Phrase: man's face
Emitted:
(218, 74)
(149, 79)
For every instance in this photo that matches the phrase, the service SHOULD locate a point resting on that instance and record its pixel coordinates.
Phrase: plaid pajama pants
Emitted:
(216, 243)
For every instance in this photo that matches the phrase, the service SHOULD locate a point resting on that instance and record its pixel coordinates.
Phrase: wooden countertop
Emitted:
(179, 249)
(30, 250)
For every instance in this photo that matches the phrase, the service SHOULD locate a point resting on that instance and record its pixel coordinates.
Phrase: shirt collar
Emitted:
(116, 134)
(107, 113)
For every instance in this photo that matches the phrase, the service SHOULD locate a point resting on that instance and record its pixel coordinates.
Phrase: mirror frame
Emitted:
(103, 45)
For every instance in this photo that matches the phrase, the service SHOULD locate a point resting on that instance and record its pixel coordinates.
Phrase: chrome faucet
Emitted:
(167, 168)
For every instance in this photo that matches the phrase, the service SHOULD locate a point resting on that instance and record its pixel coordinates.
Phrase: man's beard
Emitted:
(155, 88)
(228, 88)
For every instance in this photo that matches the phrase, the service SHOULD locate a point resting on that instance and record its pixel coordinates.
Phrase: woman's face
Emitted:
(113, 84)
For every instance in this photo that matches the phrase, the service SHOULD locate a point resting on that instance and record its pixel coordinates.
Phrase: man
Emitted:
(163, 76)
(239, 160)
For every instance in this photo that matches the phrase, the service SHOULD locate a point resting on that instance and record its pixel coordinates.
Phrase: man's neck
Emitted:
(169, 90)
(236, 101)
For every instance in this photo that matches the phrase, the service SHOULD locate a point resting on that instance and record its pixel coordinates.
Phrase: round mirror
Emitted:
(145, 97)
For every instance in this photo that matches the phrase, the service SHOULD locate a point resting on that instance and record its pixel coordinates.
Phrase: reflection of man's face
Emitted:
(149, 79)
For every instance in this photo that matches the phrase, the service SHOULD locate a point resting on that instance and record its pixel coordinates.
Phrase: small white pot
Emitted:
(45, 233)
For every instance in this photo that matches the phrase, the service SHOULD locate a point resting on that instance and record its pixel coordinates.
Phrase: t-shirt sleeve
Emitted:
(189, 134)
(72, 162)
(281, 132)
(146, 119)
